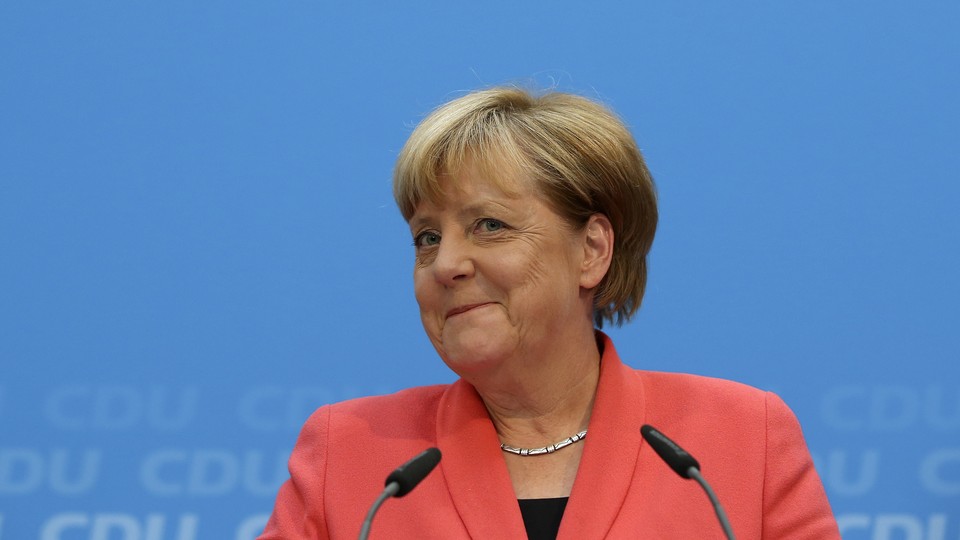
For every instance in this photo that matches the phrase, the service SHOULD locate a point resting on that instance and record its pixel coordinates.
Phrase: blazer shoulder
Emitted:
(409, 399)
(705, 397)
(409, 412)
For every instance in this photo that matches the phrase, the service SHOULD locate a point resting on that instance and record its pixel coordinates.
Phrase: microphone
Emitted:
(687, 467)
(408, 475)
(402, 481)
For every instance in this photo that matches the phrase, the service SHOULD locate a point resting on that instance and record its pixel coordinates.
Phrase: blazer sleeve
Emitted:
(795, 505)
(299, 509)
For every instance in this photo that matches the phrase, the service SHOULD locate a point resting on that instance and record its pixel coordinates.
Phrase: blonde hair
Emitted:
(579, 154)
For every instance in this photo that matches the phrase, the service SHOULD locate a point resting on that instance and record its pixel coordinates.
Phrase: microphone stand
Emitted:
(391, 490)
(694, 473)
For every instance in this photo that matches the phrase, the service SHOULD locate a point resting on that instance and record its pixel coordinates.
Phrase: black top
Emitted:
(541, 517)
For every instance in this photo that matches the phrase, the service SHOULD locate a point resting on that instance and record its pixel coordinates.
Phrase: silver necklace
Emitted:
(544, 449)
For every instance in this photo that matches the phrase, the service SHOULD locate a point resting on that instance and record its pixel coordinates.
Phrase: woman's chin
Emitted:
(474, 352)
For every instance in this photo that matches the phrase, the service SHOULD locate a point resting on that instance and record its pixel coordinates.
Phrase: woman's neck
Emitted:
(544, 400)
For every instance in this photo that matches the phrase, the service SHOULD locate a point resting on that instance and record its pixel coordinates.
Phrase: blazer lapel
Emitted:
(610, 453)
(474, 468)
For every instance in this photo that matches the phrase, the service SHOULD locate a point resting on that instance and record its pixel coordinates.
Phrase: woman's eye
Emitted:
(490, 225)
(426, 239)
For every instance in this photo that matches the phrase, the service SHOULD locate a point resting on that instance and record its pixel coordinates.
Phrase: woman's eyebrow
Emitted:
(467, 212)
(418, 221)
(483, 206)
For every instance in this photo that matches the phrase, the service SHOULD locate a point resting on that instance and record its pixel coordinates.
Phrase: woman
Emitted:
(531, 219)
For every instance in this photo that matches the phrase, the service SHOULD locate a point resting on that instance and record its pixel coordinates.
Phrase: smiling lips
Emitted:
(463, 309)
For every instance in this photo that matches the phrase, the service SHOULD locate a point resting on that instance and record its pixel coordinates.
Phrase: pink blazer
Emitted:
(748, 443)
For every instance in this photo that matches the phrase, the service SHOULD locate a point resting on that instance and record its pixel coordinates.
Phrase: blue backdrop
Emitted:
(198, 243)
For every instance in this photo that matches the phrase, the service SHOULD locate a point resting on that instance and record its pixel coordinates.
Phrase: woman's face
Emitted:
(497, 275)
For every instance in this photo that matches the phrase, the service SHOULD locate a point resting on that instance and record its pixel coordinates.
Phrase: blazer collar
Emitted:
(476, 472)
(473, 466)
(611, 452)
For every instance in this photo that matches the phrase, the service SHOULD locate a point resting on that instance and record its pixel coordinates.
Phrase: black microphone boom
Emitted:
(683, 464)
(677, 458)
(408, 475)
(401, 481)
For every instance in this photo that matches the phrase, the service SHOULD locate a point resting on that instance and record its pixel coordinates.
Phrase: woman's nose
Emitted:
(454, 261)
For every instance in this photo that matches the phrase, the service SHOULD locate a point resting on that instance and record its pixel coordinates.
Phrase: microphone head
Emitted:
(677, 458)
(408, 475)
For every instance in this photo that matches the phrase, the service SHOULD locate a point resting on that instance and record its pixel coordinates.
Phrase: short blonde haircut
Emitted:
(579, 154)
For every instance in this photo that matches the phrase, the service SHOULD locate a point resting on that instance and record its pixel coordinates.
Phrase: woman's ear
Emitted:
(597, 250)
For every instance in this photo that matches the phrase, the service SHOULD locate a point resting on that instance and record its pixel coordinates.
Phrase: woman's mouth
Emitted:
(465, 308)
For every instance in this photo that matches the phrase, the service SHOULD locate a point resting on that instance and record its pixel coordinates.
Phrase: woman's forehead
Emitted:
(458, 174)
(471, 188)
(489, 172)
